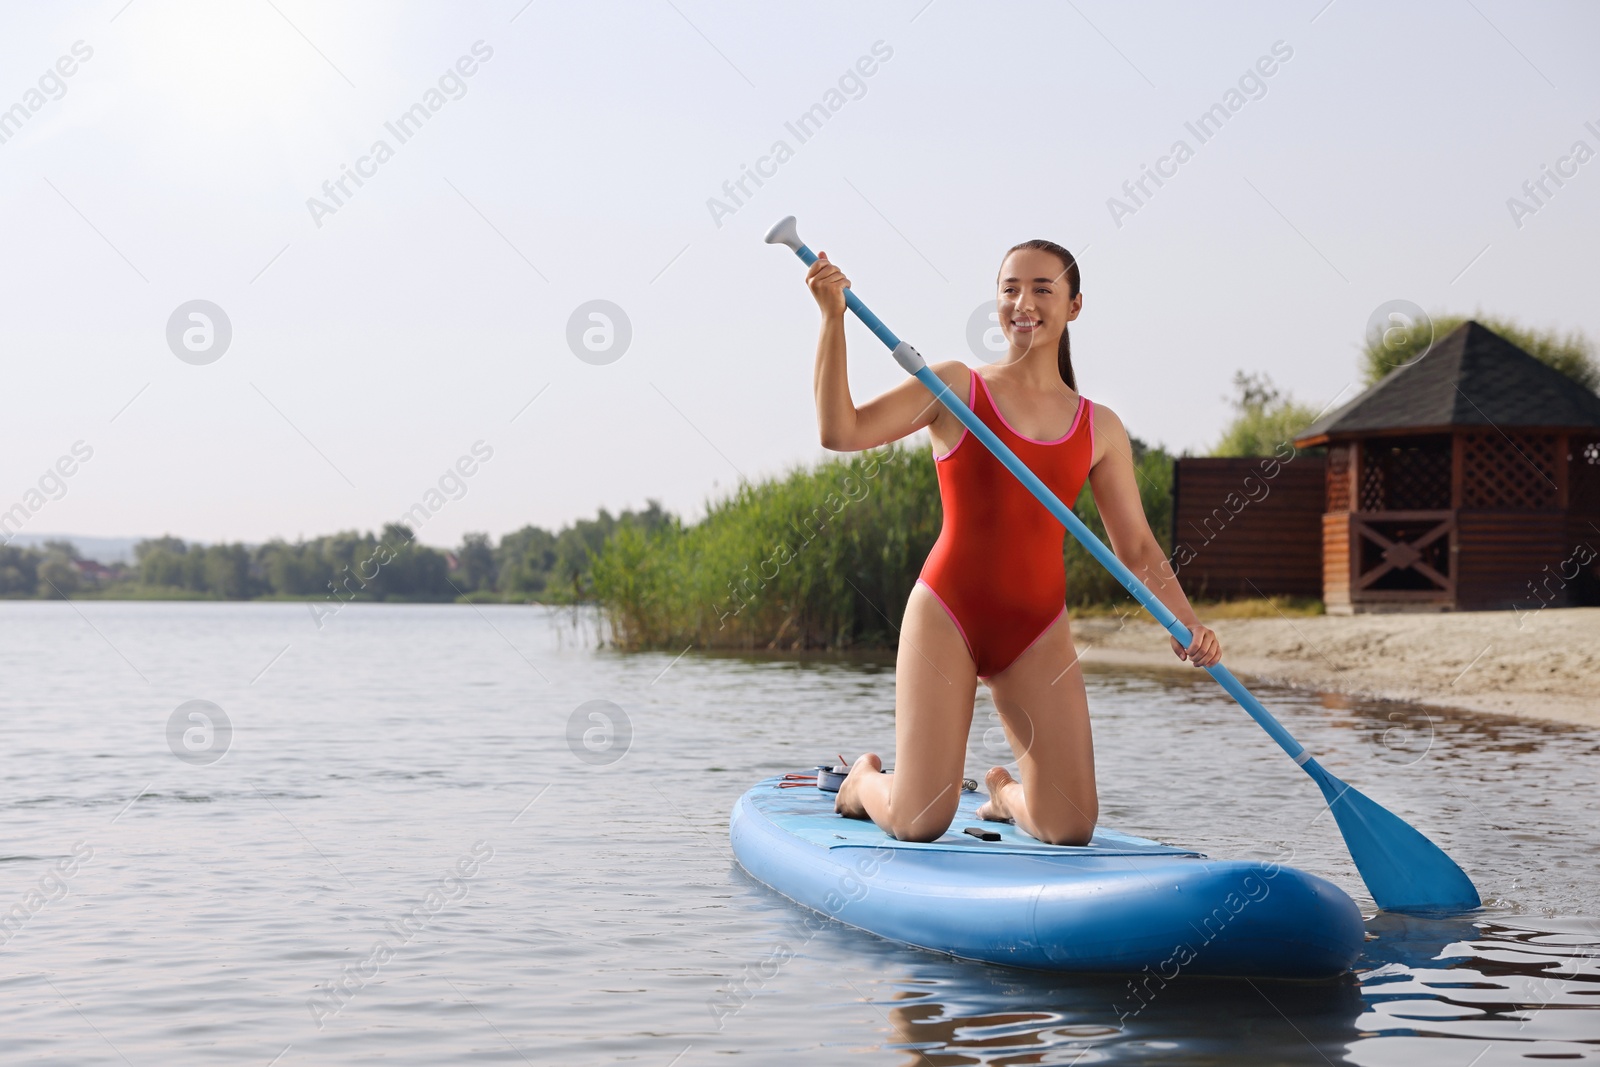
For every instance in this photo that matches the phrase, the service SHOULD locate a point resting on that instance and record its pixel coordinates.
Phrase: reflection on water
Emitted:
(609, 923)
(1425, 991)
(1500, 995)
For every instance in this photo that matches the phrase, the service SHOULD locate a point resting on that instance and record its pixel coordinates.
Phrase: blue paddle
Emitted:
(1403, 869)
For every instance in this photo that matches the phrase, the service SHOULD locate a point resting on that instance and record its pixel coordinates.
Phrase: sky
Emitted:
(385, 339)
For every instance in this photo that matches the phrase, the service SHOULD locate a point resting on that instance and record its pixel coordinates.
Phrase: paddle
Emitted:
(1403, 869)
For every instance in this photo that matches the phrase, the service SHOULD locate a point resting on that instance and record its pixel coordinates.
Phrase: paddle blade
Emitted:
(1403, 870)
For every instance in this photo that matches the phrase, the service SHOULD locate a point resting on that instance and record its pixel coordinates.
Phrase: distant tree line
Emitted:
(528, 564)
(52, 570)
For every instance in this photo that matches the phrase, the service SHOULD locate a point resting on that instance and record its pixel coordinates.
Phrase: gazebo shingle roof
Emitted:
(1471, 377)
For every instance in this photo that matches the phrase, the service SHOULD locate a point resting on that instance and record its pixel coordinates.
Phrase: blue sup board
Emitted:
(1119, 904)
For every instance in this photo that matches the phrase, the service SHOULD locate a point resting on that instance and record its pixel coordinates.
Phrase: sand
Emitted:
(1540, 665)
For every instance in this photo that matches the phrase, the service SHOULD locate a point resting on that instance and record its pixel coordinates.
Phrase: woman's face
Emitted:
(1034, 307)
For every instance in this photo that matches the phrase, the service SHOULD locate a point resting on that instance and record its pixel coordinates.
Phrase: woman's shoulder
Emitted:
(1106, 427)
(1105, 418)
(953, 373)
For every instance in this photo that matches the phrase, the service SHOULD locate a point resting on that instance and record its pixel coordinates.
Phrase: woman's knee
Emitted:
(923, 830)
(929, 825)
(1066, 824)
(1067, 833)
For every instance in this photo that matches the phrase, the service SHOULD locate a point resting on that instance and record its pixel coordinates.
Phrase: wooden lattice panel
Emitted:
(1406, 475)
(1339, 478)
(1510, 471)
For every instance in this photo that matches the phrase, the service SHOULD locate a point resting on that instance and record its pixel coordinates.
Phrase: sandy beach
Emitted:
(1541, 665)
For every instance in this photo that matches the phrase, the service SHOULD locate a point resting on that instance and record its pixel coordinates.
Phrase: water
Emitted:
(168, 912)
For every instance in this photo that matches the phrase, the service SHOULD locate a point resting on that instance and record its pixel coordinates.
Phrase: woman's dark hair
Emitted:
(1070, 271)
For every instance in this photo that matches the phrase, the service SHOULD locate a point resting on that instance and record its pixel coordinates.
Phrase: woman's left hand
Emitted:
(1204, 649)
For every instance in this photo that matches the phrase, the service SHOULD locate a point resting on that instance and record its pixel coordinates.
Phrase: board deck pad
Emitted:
(808, 814)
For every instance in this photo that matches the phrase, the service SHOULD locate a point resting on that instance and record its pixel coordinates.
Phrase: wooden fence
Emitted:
(1249, 527)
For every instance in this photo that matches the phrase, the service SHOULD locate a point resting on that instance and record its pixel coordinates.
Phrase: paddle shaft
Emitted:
(913, 363)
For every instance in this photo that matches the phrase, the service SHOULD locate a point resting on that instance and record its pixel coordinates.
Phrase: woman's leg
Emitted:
(934, 685)
(1045, 712)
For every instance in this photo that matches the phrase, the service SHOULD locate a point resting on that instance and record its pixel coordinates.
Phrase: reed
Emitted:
(820, 558)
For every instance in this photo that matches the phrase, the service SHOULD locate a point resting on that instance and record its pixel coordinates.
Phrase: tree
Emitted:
(64, 548)
(19, 571)
(162, 566)
(476, 561)
(58, 578)
(524, 559)
(166, 543)
(1573, 353)
(1264, 418)
(406, 570)
(225, 571)
(294, 570)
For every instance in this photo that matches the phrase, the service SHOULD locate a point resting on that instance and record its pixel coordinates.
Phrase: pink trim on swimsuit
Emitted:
(972, 396)
(959, 628)
(1077, 416)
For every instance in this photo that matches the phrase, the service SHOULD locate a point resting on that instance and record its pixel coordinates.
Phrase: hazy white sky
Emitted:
(375, 344)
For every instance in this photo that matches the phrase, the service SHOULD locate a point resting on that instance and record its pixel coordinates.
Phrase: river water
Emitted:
(407, 853)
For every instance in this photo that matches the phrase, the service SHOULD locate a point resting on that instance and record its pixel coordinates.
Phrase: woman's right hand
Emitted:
(828, 284)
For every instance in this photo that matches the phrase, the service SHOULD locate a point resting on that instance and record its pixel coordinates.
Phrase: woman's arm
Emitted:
(1116, 493)
(897, 413)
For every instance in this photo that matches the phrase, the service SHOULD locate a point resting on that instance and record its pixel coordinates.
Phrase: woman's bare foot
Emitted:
(848, 803)
(994, 809)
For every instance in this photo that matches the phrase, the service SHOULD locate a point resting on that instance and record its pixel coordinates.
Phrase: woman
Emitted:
(990, 603)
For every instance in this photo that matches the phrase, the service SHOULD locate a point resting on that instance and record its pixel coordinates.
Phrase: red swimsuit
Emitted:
(997, 567)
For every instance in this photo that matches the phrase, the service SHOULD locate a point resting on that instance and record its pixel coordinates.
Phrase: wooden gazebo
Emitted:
(1469, 479)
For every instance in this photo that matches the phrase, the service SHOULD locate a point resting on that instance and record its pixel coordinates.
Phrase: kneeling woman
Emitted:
(991, 601)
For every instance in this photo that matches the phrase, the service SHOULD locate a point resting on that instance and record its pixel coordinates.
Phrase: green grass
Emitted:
(137, 591)
(1271, 607)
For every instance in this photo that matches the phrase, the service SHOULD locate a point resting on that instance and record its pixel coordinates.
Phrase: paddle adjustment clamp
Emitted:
(908, 358)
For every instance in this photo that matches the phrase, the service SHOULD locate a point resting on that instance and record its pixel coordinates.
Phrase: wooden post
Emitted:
(1563, 469)
(1458, 457)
